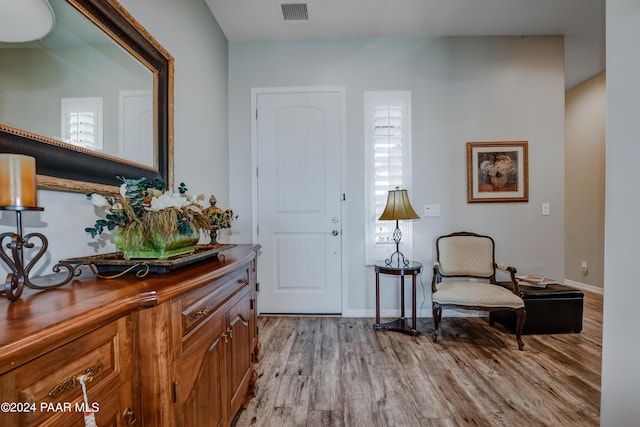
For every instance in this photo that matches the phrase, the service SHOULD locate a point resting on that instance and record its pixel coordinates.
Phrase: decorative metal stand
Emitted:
(18, 278)
(397, 236)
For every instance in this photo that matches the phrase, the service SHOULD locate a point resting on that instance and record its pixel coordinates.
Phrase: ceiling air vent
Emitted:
(294, 11)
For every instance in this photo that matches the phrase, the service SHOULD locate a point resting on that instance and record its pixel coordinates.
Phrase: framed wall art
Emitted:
(497, 172)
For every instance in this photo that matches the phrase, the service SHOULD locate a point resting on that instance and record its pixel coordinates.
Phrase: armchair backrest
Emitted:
(466, 254)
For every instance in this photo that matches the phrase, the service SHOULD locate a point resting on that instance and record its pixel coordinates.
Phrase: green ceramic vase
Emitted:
(159, 248)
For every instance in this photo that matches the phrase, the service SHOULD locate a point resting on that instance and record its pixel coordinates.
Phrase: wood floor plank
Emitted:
(318, 418)
(326, 395)
(271, 366)
(331, 371)
(302, 354)
(360, 406)
(293, 395)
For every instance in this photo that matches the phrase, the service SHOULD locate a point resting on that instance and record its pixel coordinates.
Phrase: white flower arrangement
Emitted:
(145, 209)
(498, 166)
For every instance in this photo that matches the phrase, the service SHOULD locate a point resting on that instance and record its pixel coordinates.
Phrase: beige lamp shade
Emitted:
(398, 206)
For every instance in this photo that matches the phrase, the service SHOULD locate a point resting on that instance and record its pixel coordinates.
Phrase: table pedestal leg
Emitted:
(400, 324)
(377, 298)
(402, 296)
(414, 316)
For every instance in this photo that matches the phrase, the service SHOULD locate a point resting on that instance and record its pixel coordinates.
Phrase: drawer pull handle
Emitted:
(243, 281)
(70, 383)
(129, 416)
(202, 312)
(230, 333)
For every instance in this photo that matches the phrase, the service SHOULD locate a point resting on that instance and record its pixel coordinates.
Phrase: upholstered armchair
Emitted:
(464, 277)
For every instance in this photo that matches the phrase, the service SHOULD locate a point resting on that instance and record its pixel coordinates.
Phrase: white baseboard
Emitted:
(584, 286)
(424, 313)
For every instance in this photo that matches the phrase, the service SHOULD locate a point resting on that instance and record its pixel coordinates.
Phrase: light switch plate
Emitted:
(546, 209)
(431, 210)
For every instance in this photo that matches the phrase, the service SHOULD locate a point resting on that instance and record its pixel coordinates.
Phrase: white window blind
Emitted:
(388, 165)
(82, 122)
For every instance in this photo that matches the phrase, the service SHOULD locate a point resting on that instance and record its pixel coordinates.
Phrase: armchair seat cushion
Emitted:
(475, 294)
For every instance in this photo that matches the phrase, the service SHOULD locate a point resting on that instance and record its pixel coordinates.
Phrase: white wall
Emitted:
(463, 89)
(189, 32)
(620, 345)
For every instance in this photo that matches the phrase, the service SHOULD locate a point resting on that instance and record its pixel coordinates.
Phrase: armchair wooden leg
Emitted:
(437, 316)
(521, 316)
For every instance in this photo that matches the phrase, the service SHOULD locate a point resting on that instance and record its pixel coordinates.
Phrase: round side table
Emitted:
(401, 324)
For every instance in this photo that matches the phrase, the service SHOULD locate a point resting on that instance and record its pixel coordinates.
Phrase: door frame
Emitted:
(341, 90)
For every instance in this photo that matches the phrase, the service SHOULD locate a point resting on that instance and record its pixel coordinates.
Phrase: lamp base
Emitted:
(397, 236)
(401, 261)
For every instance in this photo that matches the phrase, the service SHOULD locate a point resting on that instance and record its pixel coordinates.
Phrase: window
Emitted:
(82, 122)
(387, 166)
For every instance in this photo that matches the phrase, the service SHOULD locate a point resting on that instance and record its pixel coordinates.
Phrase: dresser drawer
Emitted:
(197, 305)
(49, 385)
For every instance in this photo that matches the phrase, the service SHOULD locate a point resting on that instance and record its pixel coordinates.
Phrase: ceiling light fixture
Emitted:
(25, 20)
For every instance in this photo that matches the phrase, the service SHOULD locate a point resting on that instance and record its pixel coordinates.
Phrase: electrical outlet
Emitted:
(583, 268)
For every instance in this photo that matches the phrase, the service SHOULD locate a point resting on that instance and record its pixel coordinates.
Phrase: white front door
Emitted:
(299, 143)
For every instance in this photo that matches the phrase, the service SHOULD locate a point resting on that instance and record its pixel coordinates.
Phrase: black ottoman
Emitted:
(555, 309)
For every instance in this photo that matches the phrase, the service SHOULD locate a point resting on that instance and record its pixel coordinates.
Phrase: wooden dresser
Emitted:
(175, 349)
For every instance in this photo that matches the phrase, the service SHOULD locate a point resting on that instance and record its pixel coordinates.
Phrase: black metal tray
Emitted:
(113, 265)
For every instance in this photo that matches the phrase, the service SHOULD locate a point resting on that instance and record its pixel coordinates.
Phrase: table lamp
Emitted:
(18, 193)
(398, 207)
(25, 20)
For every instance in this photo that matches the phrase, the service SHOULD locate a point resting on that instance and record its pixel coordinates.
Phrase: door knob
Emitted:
(335, 232)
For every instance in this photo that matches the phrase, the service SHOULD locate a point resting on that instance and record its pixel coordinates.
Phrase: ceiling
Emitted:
(582, 23)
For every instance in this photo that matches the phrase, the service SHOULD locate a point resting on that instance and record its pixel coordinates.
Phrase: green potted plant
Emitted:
(151, 221)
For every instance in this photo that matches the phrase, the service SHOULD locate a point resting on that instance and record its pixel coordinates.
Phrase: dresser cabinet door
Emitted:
(239, 349)
(47, 392)
(253, 283)
(199, 386)
(214, 369)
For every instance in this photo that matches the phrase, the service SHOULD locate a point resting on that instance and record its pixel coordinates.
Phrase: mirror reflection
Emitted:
(78, 86)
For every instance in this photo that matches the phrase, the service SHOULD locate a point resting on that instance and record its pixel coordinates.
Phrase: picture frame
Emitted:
(497, 172)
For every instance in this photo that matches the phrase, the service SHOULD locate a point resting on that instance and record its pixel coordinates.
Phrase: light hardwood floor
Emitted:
(340, 372)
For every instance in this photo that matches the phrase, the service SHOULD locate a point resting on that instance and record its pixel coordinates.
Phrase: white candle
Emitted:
(18, 180)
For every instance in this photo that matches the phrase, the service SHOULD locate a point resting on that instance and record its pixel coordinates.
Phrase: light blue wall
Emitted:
(463, 89)
(192, 36)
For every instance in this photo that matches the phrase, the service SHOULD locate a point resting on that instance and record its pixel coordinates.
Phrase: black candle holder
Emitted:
(18, 278)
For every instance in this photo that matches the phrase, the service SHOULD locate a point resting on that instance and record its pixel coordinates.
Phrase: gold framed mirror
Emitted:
(96, 40)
